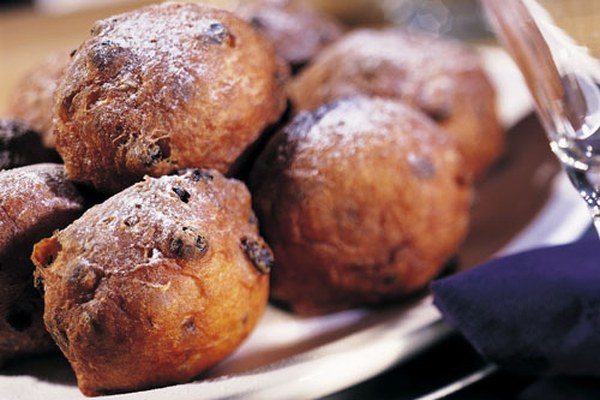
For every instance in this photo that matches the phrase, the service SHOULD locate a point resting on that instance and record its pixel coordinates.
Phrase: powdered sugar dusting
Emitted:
(161, 45)
(140, 223)
(343, 129)
(35, 190)
(348, 123)
(406, 51)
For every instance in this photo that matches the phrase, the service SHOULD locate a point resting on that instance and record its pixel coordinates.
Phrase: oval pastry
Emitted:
(34, 201)
(158, 283)
(297, 31)
(362, 201)
(162, 88)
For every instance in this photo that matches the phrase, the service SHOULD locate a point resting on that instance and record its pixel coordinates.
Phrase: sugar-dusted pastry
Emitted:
(34, 201)
(362, 201)
(158, 283)
(298, 31)
(441, 77)
(162, 88)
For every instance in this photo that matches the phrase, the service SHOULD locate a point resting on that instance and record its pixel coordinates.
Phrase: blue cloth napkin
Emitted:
(559, 388)
(534, 313)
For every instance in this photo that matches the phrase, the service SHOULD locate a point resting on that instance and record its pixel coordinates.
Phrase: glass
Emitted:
(562, 77)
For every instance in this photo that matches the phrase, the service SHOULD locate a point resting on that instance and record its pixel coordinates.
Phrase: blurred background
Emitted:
(30, 29)
(455, 17)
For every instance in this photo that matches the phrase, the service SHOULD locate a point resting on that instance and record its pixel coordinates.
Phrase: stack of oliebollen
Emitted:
(174, 122)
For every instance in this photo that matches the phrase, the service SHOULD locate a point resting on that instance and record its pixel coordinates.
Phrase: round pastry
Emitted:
(362, 201)
(442, 78)
(156, 284)
(34, 201)
(20, 145)
(162, 88)
(32, 98)
(297, 31)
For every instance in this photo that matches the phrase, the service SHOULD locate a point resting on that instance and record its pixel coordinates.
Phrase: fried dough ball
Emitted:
(297, 31)
(34, 201)
(442, 78)
(162, 88)
(32, 98)
(362, 201)
(20, 145)
(156, 284)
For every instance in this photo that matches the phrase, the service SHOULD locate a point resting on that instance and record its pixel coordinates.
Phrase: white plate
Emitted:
(288, 356)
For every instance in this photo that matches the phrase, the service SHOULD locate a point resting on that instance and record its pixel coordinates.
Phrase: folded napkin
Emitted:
(568, 388)
(537, 312)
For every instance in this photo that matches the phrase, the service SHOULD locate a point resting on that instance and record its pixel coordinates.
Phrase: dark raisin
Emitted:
(259, 253)
(422, 167)
(257, 22)
(189, 244)
(156, 152)
(107, 57)
(72, 53)
(177, 247)
(131, 220)
(102, 54)
(189, 326)
(153, 155)
(217, 33)
(201, 243)
(181, 193)
(201, 174)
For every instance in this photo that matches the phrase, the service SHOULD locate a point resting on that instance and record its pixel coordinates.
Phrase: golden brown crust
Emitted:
(34, 201)
(442, 78)
(362, 201)
(156, 284)
(20, 145)
(163, 88)
(297, 31)
(32, 98)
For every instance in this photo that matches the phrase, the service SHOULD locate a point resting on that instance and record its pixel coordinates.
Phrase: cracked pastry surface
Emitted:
(162, 88)
(158, 283)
